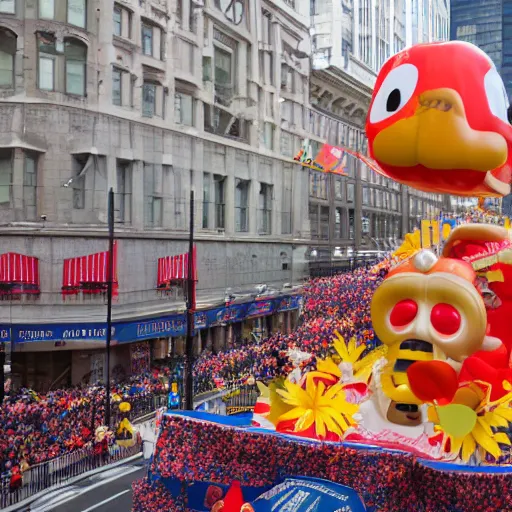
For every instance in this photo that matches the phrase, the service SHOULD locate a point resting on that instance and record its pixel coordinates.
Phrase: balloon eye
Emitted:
(509, 114)
(394, 93)
(403, 313)
(445, 319)
(393, 101)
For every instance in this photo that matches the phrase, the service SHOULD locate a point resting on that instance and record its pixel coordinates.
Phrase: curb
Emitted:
(27, 501)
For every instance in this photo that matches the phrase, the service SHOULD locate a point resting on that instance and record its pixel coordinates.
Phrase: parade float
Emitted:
(422, 422)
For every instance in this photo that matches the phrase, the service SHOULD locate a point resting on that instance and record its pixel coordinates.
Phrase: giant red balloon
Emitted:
(438, 121)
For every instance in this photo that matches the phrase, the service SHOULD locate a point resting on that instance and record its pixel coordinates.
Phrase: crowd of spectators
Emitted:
(35, 428)
(192, 451)
(338, 303)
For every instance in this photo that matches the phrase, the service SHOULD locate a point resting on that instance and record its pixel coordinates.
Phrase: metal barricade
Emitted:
(241, 399)
(61, 469)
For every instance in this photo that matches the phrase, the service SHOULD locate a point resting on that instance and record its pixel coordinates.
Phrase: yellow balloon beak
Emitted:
(438, 136)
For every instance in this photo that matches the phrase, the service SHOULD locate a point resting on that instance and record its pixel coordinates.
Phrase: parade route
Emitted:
(110, 490)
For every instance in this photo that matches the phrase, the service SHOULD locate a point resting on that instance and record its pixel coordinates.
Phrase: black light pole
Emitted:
(110, 277)
(191, 306)
(2, 374)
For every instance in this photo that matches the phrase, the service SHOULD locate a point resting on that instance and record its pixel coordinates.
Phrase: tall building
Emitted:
(153, 98)
(156, 98)
(351, 40)
(487, 24)
(480, 22)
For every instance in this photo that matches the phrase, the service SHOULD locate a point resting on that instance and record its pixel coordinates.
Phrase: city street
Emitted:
(107, 491)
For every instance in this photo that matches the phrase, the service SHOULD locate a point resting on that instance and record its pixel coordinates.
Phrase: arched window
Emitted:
(7, 54)
(75, 53)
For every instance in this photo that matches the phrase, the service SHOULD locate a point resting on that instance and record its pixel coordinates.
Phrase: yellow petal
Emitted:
(486, 442)
(504, 412)
(331, 424)
(305, 421)
(485, 426)
(310, 385)
(287, 398)
(468, 448)
(456, 444)
(495, 420)
(502, 438)
(351, 345)
(328, 366)
(338, 418)
(319, 426)
(333, 391)
(293, 414)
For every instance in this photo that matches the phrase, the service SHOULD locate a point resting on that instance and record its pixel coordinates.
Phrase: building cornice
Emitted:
(341, 80)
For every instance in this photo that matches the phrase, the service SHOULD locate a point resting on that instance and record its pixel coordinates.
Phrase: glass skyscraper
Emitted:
(488, 24)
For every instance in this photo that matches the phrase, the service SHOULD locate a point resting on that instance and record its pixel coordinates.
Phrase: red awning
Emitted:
(175, 268)
(18, 274)
(88, 274)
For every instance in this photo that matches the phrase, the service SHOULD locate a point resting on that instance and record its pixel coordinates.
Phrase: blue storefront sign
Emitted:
(162, 327)
(260, 308)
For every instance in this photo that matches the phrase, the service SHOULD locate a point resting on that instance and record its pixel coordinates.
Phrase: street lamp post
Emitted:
(110, 277)
(191, 307)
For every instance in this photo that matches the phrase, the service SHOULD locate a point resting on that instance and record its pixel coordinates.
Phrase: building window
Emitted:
(77, 13)
(183, 109)
(339, 218)
(30, 185)
(81, 164)
(313, 221)
(287, 198)
(7, 54)
(206, 200)
(351, 224)
(265, 209)
(152, 41)
(7, 6)
(366, 196)
(147, 39)
(223, 63)
(338, 188)
(148, 99)
(318, 184)
(118, 20)
(47, 57)
(75, 54)
(351, 192)
(124, 192)
(268, 136)
(117, 87)
(152, 197)
(5, 175)
(220, 198)
(47, 9)
(241, 205)
(324, 222)
(122, 22)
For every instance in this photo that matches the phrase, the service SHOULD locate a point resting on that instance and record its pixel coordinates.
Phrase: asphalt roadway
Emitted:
(109, 491)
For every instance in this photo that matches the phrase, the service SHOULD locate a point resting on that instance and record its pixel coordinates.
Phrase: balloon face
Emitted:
(438, 121)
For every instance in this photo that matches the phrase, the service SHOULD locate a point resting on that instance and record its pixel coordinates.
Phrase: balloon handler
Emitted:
(125, 434)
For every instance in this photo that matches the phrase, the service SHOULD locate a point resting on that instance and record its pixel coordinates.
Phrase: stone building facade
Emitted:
(154, 99)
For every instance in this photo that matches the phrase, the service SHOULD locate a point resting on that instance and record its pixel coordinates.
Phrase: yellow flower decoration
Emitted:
(489, 415)
(351, 353)
(410, 246)
(326, 408)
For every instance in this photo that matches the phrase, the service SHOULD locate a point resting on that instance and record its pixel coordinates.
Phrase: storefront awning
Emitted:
(88, 274)
(18, 274)
(175, 268)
